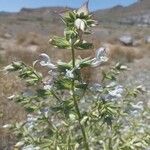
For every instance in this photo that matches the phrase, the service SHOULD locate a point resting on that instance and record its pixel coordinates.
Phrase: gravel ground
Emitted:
(139, 74)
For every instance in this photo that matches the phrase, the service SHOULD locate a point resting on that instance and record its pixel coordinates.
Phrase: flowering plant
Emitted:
(66, 113)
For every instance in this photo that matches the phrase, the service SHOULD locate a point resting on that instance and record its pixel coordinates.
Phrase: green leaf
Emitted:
(30, 108)
(62, 66)
(82, 86)
(70, 34)
(84, 120)
(63, 83)
(83, 62)
(41, 93)
(60, 42)
(72, 15)
(83, 45)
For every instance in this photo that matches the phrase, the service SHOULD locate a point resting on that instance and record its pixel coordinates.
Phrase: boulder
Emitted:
(147, 39)
(137, 42)
(32, 48)
(7, 36)
(126, 40)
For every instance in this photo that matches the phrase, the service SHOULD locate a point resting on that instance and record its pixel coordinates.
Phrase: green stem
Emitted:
(54, 94)
(76, 104)
(110, 140)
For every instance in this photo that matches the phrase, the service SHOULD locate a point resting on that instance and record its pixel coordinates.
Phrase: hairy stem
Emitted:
(76, 103)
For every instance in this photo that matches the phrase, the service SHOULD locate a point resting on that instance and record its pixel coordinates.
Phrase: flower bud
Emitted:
(83, 9)
(79, 24)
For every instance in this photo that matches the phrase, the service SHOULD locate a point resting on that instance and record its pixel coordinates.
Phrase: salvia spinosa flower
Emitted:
(80, 24)
(96, 87)
(45, 61)
(69, 74)
(100, 57)
(117, 92)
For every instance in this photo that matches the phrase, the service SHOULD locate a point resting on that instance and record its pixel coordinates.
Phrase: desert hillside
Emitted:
(135, 14)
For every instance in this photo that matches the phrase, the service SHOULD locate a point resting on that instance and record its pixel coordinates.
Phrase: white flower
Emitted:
(69, 73)
(116, 93)
(135, 113)
(100, 58)
(47, 87)
(79, 24)
(45, 61)
(31, 121)
(138, 106)
(83, 9)
(96, 87)
(31, 118)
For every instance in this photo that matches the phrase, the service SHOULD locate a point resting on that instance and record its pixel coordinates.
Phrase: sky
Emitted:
(16, 5)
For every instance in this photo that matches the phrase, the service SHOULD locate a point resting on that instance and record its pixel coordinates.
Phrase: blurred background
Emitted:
(27, 25)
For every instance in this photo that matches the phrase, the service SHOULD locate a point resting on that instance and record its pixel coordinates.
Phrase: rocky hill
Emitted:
(135, 14)
(43, 20)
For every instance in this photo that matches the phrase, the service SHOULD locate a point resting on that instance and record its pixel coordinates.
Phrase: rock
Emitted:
(126, 40)
(7, 36)
(32, 48)
(137, 43)
(147, 39)
(142, 20)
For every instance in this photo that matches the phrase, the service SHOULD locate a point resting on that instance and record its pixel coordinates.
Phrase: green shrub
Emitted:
(65, 112)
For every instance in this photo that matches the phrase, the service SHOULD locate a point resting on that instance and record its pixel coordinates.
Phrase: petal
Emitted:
(100, 58)
(116, 93)
(44, 58)
(51, 66)
(69, 73)
(98, 62)
(95, 63)
(44, 61)
(79, 23)
(101, 52)
(82, 26)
